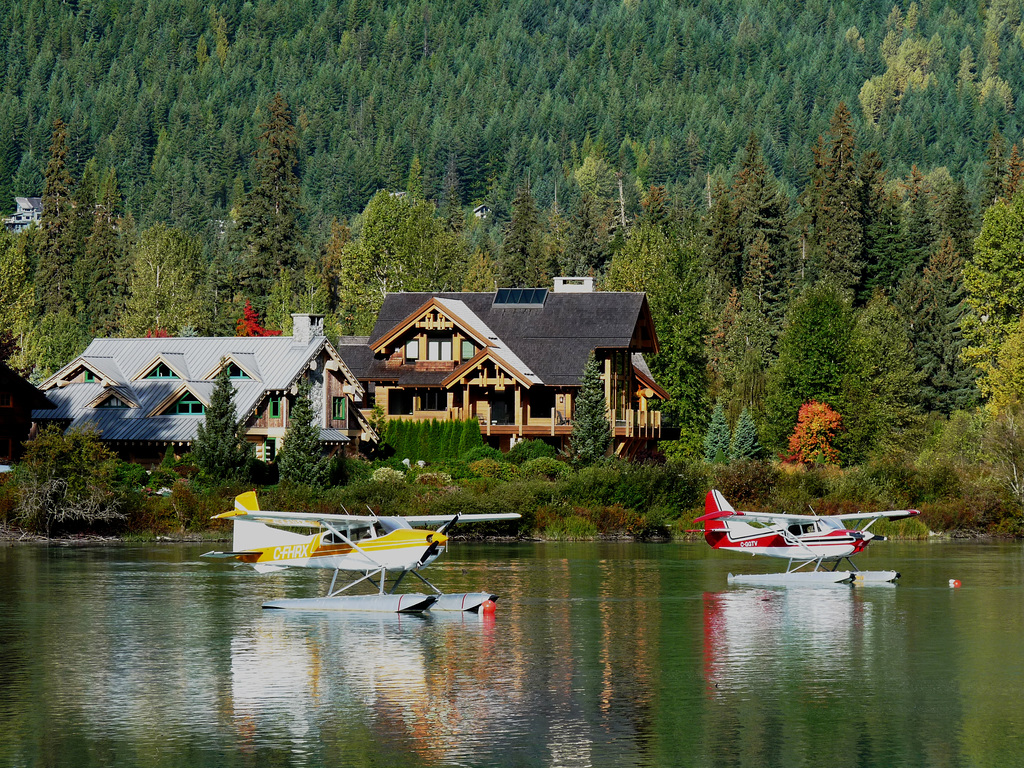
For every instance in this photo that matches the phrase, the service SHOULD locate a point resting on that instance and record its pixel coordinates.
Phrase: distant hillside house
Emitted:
(145, 394)
(18, 401)
(482, 211)
(513, 360)
(28, 211)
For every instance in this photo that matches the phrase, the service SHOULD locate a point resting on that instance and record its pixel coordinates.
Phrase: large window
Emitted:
(439, 349)
(275, 407)
(338, 408)
(468, 350)
(412, 351)
(399, 402)
(188, 403)
(434, 400)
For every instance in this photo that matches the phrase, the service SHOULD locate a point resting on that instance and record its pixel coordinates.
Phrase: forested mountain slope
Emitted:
(171, 93)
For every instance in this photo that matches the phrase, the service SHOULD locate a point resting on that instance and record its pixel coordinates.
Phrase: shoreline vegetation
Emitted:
(86, 494)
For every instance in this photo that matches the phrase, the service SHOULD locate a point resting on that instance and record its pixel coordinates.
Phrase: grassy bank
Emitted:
(612, 499)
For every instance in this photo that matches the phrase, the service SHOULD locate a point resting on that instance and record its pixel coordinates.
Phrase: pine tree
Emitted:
(521, 247)
(105, 284)
(760, 204)
(591, 432)
(301, 459)
(56, 258)
(220, 449)
(585, 250)
(718, 437)
(832, 205)
(993, 173)
(268, 219)
(744, 445)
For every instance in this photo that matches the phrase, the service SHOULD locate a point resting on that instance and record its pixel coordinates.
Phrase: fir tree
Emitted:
(832, 204)
(521, 247)
(718, 437)
(268, 219)
(591, 432)
(993, 173)
(744, 445)
(56, 258)
(301, 459)
(220, 449)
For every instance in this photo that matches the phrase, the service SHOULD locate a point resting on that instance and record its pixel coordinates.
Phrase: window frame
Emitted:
(339, 408)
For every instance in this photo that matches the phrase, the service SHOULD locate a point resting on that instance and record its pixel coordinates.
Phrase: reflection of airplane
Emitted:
(365, 544)
(802, 539)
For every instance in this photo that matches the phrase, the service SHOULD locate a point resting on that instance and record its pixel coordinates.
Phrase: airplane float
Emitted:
(368, 544)
(802, 539)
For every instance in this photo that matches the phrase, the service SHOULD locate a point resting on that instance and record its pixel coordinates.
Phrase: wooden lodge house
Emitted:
(143, 395)
(512, 359)
(18, 400)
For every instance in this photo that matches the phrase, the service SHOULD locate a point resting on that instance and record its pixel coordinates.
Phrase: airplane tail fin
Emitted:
(715, 508)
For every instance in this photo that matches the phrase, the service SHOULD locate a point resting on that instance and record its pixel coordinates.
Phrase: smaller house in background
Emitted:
(143, 395)
(482, 211)
(28, 211)
(18, 400)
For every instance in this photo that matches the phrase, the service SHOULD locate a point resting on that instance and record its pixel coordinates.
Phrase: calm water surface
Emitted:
(599, 655)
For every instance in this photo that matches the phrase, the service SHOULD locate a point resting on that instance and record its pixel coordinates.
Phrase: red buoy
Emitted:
(487, 606)
(955, 583)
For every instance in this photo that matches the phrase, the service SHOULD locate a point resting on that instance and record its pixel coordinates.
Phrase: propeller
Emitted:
(435, 545)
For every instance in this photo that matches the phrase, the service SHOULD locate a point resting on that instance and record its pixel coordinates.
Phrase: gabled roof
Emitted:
(274, 362)
(23, 389)
(551, 341)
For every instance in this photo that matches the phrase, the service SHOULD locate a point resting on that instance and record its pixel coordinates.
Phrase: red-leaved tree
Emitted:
(816, 428)
(249, 323)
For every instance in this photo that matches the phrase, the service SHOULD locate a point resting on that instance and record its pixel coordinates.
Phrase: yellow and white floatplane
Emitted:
(370, 545)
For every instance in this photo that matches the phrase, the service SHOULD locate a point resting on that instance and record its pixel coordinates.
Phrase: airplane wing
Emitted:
(316, 520)
(434, 519)
(894, 514)
(295, 519)
(758, 517)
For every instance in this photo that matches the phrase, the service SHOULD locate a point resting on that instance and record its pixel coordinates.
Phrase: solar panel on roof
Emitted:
(520, 297)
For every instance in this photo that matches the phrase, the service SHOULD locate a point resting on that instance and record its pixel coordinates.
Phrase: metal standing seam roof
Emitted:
(277, 360)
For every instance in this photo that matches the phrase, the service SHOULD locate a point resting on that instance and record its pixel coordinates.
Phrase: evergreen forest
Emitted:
(824, 201)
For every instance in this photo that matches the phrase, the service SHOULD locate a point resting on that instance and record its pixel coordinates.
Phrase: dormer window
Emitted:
(188, 404)
(113, 402)
(412, 351)
(235, 372)
(161, 371)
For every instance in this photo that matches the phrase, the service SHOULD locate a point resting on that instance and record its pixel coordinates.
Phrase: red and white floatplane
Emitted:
(370, 545)
(808, 542)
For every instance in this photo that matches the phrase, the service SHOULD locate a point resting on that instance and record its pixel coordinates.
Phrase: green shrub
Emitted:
(745, 484)
(67, 481)
(525, 450)
(491, 468)
(434, 479)
(483, 452)
(545, 466)
(387, 475)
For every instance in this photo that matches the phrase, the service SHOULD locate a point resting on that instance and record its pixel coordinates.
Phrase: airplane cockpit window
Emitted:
(798, 529)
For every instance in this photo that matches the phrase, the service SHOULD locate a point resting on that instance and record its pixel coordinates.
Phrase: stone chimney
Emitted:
(305, 328)
(574, 285)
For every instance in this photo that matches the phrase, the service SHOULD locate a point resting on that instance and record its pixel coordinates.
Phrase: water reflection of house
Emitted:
(513, 360)
(143, 395)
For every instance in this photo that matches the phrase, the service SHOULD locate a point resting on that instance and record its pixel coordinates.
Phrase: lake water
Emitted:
(600, 654)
